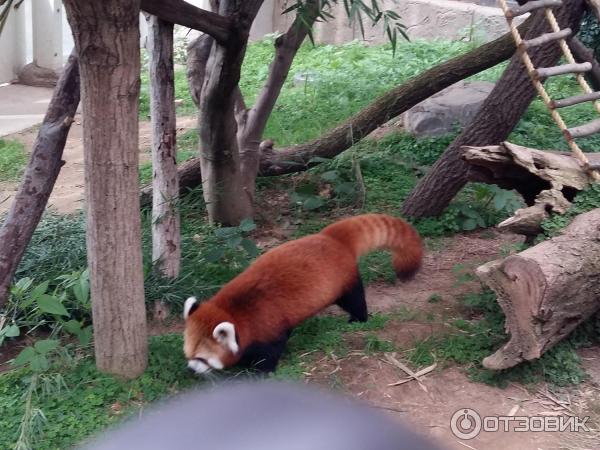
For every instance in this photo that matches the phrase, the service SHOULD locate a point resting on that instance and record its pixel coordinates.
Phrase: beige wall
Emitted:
(425, 19)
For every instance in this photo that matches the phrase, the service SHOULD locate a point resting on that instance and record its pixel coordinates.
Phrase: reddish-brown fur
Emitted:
(296, 280)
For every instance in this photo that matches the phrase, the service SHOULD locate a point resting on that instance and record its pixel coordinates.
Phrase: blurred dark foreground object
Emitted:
(261, 416)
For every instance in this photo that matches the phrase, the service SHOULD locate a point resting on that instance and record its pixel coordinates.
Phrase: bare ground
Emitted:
(67, 196)
(430, 403)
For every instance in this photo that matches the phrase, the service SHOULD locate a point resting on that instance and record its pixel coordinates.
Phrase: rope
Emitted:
(531, 70)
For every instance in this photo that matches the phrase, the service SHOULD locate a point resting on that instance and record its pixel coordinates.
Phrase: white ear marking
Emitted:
(224, 333)
(188, 306)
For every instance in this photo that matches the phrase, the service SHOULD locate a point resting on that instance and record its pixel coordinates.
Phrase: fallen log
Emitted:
(546, 290)
(548, 181)
(298, 158)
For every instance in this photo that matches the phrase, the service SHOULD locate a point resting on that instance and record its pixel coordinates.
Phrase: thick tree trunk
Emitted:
(226, 201)
(389, 105)
(40, 175)
(546, 290)
(166, 245)
(495, 120)
(107, 42)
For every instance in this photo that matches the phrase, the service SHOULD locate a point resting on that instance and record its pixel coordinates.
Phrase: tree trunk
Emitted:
(495, 120)
(546, 290)
(40, 175)
(253, 121)
(107, 42)
(583, 54)
(226, 201)
(296, 158)
(166, 246)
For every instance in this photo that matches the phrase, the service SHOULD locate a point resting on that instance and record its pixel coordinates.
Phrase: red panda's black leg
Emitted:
(354, 303)
(264, 357)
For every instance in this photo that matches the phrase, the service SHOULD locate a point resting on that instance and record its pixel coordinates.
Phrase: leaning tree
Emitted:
(499, 114)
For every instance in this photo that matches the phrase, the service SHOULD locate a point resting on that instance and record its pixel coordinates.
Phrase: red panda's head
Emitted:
(209, 338)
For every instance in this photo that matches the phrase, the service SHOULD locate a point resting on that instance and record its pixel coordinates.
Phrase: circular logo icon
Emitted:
(465, 424)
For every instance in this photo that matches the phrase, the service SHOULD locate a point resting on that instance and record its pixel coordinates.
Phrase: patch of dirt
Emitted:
(430, 404)
(67, 196)
(439, 277)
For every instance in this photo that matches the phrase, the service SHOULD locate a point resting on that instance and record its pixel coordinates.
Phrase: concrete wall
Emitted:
(425, 19)
(13, 47)
(39, 30)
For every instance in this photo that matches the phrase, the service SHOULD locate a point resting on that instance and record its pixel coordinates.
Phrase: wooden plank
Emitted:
(545, 72)
(575, 100)
(547, 37)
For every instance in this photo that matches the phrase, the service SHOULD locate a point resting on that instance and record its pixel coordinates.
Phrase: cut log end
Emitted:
(546, 291)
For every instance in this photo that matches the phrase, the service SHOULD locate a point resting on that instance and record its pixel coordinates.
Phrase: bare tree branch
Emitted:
(183, 13)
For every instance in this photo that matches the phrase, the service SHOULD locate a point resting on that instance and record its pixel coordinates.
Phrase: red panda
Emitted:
(249, 320)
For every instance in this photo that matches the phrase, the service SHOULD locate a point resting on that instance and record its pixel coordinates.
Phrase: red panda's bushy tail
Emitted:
(371, 232)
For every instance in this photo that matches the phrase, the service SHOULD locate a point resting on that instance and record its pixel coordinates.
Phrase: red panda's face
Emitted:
(205, 347)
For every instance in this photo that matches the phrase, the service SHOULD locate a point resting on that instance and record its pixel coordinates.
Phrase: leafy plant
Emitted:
(233, 240)
(374, 344)
(36, 356)
(476, 338)
(356, 12)
(589, 32)
(65, 308)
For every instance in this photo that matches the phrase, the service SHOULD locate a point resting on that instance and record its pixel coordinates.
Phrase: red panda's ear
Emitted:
(189, 307)
(224, 333)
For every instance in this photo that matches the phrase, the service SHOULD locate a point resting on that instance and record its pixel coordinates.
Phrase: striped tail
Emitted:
(369, 232)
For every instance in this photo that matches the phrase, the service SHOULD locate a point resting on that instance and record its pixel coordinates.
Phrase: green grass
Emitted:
(84, 401)
(88, 401)
(586, 200)
(12, 160)
(473, 339)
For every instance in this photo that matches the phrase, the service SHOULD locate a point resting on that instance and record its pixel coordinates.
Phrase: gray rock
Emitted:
(34, 75)
(448, 110)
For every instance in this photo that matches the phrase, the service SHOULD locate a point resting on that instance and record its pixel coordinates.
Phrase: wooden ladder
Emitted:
(539, 74)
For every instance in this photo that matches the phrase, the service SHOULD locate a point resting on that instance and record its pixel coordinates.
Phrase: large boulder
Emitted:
(34, 75)
(450, 109)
